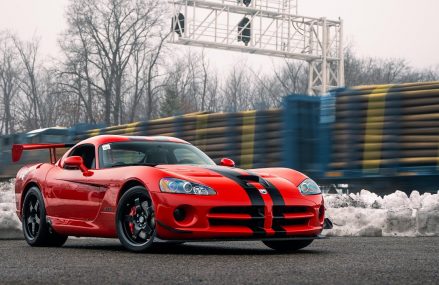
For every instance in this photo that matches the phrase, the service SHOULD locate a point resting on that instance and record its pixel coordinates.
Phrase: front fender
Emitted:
(291, 175)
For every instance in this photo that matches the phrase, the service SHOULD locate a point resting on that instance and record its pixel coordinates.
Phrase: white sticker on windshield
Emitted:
(106, 147)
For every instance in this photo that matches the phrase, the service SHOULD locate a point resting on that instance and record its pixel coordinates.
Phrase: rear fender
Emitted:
(28, 176)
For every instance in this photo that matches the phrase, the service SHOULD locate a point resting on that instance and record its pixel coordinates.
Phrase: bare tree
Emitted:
(28, 53)
(292, 77)
(114, 33)
(237, 89)
(76, 77)
(213, 100)
(176, 90)
(191, 85)
(9, 75)
(151, 77)
(369, 70)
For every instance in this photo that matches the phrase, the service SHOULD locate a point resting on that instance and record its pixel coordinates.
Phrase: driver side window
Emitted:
(87, 152)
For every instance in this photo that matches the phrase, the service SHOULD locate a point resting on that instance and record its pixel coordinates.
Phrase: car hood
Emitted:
(198, 172)
(207, 173)
(234, 184)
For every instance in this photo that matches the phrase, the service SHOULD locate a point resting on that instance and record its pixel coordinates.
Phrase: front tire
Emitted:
(287, 245)
(35, 228)
(135, 220)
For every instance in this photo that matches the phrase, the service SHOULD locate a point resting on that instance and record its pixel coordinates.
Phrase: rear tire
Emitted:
(135, 220)
(57, 240)
(287, 245)
(36, 230)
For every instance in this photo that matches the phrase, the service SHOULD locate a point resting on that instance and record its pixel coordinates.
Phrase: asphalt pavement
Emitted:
(332, 261)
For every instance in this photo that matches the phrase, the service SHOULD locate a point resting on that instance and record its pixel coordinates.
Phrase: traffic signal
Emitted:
(178, 24)
(244, 31)
(247, 2)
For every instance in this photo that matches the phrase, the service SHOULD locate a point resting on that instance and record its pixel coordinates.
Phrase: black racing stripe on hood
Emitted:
(252, 192)
(277, 199)
(274, 193)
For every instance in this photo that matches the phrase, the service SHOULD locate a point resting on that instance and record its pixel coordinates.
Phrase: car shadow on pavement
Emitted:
(222, 248)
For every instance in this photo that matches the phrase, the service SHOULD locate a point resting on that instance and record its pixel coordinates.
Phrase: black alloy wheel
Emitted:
(32, 216)
(135, 220)
(36, 230)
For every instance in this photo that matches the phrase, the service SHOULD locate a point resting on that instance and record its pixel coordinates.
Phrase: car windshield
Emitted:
(150, 153)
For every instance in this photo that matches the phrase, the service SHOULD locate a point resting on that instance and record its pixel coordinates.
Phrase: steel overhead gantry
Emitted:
(266, 27)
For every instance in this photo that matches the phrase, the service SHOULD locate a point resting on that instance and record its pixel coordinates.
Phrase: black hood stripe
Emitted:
(252, 192)
(275, 194)
(255, 196)
(277, 199)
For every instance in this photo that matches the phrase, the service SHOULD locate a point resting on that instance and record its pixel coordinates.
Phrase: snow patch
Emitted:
(10, 226)
(367, 214)
(361, 214)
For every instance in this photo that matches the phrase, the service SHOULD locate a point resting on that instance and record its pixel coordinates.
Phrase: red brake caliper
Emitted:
(133, 215)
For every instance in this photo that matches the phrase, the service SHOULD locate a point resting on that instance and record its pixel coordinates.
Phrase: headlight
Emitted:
(309, 187)
(178, 186)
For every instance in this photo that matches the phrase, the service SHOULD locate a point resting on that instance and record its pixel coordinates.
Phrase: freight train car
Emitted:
(383, 137)
(269, 138)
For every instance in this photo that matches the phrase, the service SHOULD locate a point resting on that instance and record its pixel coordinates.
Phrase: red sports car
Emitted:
(146, 189)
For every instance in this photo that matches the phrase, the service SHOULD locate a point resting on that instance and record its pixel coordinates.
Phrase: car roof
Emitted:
(103, 139)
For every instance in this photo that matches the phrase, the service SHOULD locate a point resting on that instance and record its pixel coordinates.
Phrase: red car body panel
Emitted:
(82, 205)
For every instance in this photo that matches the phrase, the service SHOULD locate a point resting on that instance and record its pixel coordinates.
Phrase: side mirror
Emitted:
(77, 162)
(227, 162)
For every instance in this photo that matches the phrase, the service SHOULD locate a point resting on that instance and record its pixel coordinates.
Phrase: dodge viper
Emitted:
(144, 190)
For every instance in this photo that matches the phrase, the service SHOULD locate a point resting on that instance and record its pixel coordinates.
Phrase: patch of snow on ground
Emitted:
(361, 214)
(10, 226)
(367, 214)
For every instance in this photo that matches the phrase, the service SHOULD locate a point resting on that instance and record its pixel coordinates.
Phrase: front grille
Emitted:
(291, 215)
(254, 216)
(251, 216)
(235, 222)
(254, 211)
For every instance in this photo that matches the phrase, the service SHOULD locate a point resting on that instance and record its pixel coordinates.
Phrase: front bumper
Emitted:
(207, 218)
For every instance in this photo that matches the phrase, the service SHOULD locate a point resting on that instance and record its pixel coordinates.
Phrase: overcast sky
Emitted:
(379, 28)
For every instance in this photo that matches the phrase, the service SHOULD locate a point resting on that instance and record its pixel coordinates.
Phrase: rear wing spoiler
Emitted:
(17, 150)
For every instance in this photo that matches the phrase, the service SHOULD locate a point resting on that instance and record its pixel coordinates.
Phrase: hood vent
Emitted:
(253, 178)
